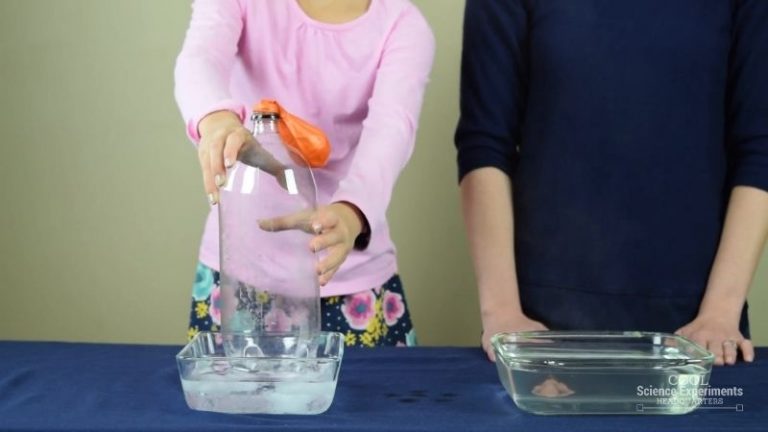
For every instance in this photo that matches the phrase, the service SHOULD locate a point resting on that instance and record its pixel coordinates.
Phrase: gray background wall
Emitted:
(101, 204)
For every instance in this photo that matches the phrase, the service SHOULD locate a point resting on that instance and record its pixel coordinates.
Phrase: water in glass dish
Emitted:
(272, 387)
(675, 390)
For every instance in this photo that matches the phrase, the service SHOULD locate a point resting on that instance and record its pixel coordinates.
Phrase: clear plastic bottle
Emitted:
(268, 279)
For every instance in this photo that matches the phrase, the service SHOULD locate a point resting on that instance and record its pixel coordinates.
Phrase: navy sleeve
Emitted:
(493, 75)
(748, 101)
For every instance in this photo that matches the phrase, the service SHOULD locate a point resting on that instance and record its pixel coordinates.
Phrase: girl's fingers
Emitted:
(318, 222)
(216, 159)
(209, 185)
(724, 349)
(232, 146)
(488, 349)
(252, 153)
(324, 241)
(325, 278)
(331, 262)
(324, 220)
(298, 220)
(747, 350)
(729, 351)
(716, 348)
(706, 344)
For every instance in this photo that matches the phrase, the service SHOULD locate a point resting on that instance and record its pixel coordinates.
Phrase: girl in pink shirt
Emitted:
(357, 69)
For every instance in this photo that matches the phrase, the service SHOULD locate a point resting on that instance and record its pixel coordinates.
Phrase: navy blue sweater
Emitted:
(624, 125)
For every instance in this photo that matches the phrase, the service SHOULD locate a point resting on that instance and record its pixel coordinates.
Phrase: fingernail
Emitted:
(228, 163)
(211, 199)
(317, 228)
(220, 180)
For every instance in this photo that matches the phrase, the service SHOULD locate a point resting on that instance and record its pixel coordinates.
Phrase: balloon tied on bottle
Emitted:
(302, 137)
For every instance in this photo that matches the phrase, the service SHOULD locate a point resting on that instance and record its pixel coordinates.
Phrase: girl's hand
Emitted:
(222, 135)
(335, 228)
(720, 336)
(503, 321)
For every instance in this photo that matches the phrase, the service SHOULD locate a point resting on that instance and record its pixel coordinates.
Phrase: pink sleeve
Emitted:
(204, 66)
(389, 131)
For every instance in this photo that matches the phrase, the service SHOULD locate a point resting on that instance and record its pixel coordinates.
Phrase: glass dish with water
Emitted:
(602, 372)
(288, 375)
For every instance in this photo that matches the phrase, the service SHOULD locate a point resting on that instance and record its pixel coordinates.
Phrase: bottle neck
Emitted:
(263, 126)
(264, 123)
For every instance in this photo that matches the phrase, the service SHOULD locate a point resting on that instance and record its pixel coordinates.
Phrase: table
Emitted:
(75, 386)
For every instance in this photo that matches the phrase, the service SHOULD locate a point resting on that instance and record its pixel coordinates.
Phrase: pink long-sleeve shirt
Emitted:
(362, 82)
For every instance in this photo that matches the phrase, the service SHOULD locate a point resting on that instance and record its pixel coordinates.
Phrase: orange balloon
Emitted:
(301, 136)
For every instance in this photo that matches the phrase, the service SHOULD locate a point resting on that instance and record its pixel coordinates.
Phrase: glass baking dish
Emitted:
(602, 372)
(264, 374)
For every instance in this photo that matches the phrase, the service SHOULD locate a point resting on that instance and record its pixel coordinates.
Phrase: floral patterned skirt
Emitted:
(375, 317)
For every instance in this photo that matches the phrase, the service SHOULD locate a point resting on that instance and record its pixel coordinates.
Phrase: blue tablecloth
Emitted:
(70, 386)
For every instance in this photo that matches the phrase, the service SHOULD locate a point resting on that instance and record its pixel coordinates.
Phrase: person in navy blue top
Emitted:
(613, 163)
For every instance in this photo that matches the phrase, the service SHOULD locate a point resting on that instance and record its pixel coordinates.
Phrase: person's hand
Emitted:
(222, 135)
(504, 321)
(335, 228)
(224, 140)
(719, 335)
